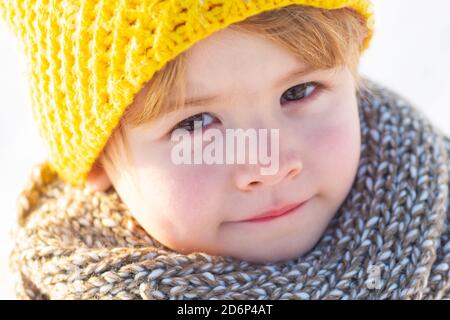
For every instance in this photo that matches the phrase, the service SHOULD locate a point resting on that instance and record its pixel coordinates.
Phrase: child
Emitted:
(356, 207)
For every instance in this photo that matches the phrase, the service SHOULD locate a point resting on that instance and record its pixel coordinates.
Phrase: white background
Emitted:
(410, 53)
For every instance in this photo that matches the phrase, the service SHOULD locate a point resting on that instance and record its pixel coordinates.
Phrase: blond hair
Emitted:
(320, 38)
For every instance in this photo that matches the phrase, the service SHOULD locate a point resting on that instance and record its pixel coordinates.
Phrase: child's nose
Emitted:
(249, 177)
(283, 150)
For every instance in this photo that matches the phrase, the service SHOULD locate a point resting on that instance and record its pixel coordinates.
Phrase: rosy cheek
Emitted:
(336, 156)
(337, 142)
(191, 189)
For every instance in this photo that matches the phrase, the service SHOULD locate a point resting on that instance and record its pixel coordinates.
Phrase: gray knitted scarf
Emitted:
(389, 239)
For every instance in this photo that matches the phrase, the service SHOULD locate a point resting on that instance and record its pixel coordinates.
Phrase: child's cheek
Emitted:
(336, 142)
(193, 190)
(336, 154)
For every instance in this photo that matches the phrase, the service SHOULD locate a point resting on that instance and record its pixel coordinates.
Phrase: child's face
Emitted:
(199, 207)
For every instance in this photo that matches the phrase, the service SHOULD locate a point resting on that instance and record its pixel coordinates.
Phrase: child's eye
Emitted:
(299, 92)
(197, 121)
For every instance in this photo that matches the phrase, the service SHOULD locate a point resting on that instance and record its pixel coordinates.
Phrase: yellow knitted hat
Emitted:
(88, 59)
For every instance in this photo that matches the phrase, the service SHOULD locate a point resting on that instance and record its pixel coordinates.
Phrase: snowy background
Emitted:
(409, 53)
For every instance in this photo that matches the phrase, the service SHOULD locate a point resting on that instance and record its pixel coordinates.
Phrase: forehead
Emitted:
(230, 60)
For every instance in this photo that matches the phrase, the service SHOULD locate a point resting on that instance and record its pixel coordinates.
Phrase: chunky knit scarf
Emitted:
(389, 239)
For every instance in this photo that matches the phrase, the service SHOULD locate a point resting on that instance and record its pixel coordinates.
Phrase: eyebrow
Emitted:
(205, 100)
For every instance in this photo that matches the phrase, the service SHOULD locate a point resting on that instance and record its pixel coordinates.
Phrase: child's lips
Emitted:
(273, 214)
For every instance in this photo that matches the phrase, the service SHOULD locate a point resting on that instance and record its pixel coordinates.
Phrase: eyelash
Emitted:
(189, 125)
(317, 89)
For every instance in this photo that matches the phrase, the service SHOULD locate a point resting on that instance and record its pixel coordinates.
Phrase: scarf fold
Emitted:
(389, 239)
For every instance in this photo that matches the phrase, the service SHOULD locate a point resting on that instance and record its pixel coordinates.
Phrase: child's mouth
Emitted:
(274, 214)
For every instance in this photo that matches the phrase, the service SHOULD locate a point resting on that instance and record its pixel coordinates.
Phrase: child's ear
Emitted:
(97, 179)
